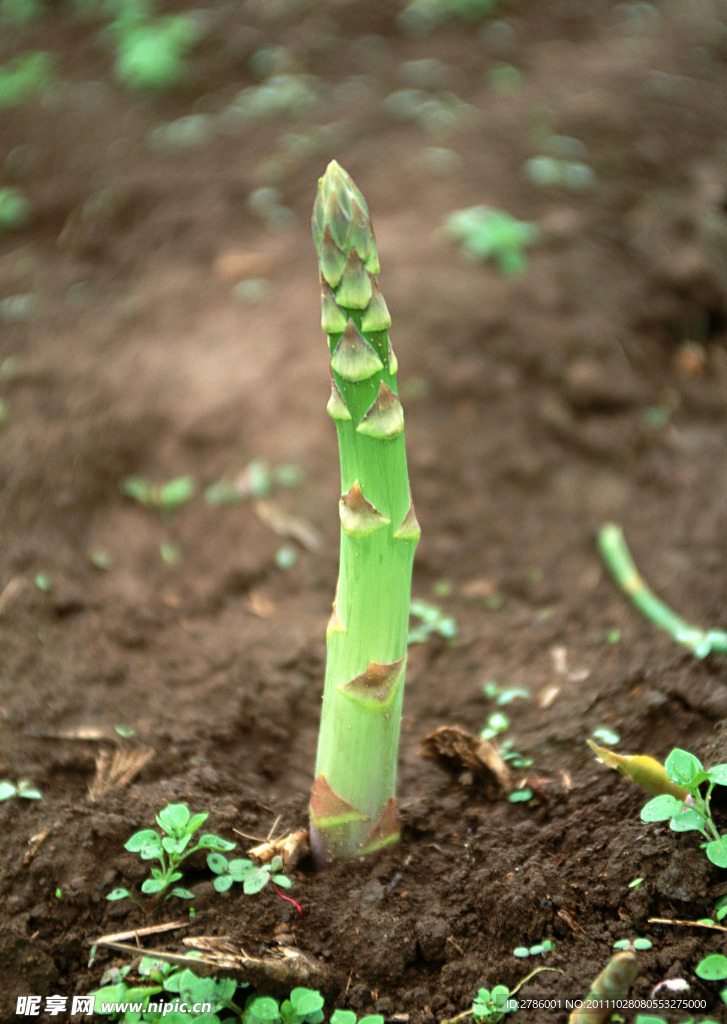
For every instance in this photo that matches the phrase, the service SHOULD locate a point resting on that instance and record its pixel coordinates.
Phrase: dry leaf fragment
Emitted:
(456, 751)
(285, 525)
(292, 848)
(114, 771)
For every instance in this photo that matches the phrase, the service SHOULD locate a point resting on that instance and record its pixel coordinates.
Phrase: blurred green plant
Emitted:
(488, 234)
(25, 77)
(23, 789)
(420, 17)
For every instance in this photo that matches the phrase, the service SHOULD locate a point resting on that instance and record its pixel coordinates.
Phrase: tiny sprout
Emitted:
(605, 735)
(497, 722)
(44, 582)
(630, 945)
(502, 697)
(520, 796)
(166, 497)
(170, 552)
(540, 949)
(635, 883)
(59, 893)
(23, 789)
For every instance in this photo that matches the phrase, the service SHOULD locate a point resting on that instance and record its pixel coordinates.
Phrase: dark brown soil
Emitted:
(592, 388)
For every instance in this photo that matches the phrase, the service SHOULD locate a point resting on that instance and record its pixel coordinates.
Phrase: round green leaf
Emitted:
(643, 943)
(282, 880)
(223, 882)
(661, 808)
(306, 1001)
(717, 852)
(263, 1009)
(182, 894)
(344, 1017)
(712, 968)
(217, 863)
(7, 790)
(687, 820)
(372, 1018)
(521, 952)
(239, 867)
(255, 880)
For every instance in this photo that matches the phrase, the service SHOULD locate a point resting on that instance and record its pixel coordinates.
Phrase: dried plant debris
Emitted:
(470, 758)
(292, 848)
(116, 770)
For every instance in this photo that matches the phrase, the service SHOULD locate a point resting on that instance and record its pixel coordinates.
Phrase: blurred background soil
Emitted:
(159, 320)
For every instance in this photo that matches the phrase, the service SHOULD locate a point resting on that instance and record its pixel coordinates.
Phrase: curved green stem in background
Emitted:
(353, 806)
(616, 555)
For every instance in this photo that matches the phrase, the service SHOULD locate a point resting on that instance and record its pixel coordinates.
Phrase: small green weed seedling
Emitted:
(502, 697)
(631, 945)
(253, 877)
(692, 814)
(170, 849)
(491, 1005)
(23, 789)
(432, 620)
(540, 949)
(487, 234)
(165, 497)
(137, 1004)
(420, 17)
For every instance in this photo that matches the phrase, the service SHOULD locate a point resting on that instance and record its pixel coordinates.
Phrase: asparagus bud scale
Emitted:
(353, 800)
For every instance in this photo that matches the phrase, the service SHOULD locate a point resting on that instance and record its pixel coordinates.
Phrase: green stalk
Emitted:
(616, 555)
(353, 801)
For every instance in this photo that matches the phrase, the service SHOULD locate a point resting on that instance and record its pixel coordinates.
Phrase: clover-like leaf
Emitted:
(223, 882)
(255, 880)
(239, 868)
(146, 843)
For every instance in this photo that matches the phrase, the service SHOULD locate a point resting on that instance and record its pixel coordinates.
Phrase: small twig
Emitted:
(616, 555)
(135, 933)
(688, 924)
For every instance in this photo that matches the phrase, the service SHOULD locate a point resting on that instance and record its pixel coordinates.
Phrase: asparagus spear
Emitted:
(353, 801)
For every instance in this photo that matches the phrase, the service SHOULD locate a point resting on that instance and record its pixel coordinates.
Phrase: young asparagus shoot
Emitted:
(616, 555)
(353, 801)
